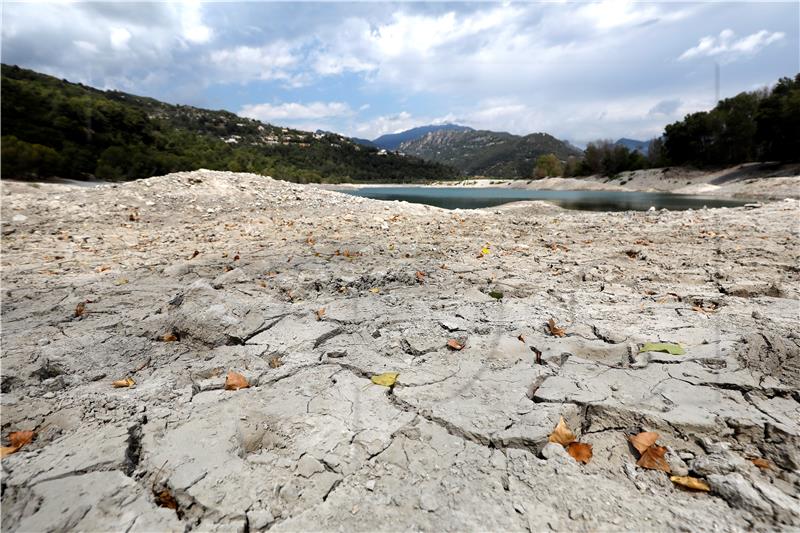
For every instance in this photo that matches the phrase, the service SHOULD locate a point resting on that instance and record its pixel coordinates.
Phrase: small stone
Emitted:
(307, 466)
(19, 218)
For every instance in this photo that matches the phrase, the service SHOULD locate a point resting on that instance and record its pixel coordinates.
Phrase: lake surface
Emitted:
(472, 198)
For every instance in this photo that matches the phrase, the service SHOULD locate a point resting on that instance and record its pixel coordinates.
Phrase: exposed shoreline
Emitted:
(309, 293)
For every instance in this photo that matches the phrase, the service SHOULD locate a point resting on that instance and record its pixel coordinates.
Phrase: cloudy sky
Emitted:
(578, 70)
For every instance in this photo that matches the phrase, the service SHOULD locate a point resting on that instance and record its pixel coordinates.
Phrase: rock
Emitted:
(720, 462)
(553, 450)
(738, 492)
(259, 520)
(19, 218)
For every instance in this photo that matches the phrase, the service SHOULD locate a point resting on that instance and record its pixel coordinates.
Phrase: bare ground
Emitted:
(237, 267)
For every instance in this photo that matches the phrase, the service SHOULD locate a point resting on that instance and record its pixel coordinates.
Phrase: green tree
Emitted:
(548, 165)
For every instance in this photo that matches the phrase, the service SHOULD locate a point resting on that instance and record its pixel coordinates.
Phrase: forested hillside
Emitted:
(52, 127)
(752, 126)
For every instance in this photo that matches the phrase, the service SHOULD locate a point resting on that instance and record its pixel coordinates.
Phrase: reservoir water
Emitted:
(472, 198)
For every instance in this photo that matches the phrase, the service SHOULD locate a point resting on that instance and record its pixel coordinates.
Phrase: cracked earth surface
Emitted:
(460, 442)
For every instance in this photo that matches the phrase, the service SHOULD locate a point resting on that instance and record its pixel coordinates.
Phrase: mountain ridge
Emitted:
(488, 153)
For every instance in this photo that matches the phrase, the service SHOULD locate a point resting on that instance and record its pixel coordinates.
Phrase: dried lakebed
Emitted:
(236, 268)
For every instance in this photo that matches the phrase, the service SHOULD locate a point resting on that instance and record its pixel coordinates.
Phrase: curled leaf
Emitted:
(320, 313)
(690, 483)
(485, 250)
(643, 440)
(420, 276)
(555, 331)
(497, 295)
(275, 361)
(668, 347)
(235, 381)
(653, 458)
(562, 434)
(7, 450)
(580, 451)
(375, 290)
(169, 337)
(127, 382)
(80, 309)
(453, 344)
(165, 498)
(521, 338)
(387, 379)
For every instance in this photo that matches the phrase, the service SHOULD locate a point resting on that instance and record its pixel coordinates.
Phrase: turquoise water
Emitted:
(472, 198)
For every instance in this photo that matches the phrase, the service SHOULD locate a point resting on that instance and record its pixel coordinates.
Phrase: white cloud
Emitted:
(119, 38)
(728, 48)
(292, 112)
(245, 63)
(192, 27)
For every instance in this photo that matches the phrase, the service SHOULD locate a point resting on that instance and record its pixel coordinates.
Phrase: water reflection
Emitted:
(472, 198)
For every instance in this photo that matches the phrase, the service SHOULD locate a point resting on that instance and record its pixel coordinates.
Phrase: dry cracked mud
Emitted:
(236, 267)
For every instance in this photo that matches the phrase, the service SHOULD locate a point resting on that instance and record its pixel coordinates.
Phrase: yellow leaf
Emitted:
(127, 382)
(8, 450)
(562, 434)
(485, 250)
(690, 483)
(375, 290)
(121, 281)
(387, 379)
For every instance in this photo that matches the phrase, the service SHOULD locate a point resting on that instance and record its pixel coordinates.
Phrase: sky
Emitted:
(578, 70)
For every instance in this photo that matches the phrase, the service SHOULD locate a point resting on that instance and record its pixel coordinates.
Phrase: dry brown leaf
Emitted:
(80, 309)
(562, 434)
(235, 381)
(18, 439)
(555, 331)
(653, 458)
(690, 483)
(643, 440)
(521, 338)
(169, 337)
(761, 463)
(127, 382)
(166, 499)
(320, 313)
(420, 276)
(580, 451)
(453, 344)
(195, 254)
(275, 361)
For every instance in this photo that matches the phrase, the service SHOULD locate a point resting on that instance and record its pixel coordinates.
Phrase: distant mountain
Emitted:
(392, 141)
(633, 145)
(364, 142)
(51, 127)
(488, 153)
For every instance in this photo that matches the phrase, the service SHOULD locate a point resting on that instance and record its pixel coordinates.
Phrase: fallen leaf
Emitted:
(653, 458)
(165, 498)
(169, 337)
(690, 483)
(562, 434)
(235, 381)
(236, 257)
(275, 361)
(453, 344)
(194, 254)
(18, 439)
(643, 440)
(485, 250)
(497, 295)
(320, 313)
(375, 290)
(761, 463)
(420, 276)
(387, 379)
(7, 450)
(555, 331)
(521, 338)
(80, 309)
(121, 281)
(127, 382)
(667, 347)
(580, 451)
